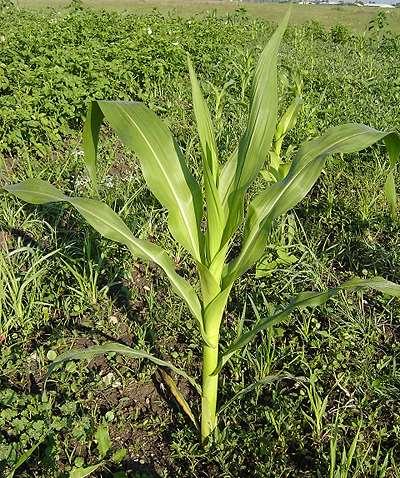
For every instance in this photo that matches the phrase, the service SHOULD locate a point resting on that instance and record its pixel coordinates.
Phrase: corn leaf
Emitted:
(215, 214)
(215, 309)
(90, 137)
(255, 144)
(392, 143)
(181, 400)
(209, 285)
(289, 118)
(114, 347)
(393, 148)
(390, 193)
(102, 218)
(284, 195)
(287, 122)
(36, 191)
(162, 163)
(307, 299)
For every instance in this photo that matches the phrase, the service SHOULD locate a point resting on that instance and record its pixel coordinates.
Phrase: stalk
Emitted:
(210, 391)
(214, 305)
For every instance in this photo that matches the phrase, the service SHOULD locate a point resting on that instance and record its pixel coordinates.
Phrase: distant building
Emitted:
(382, 5)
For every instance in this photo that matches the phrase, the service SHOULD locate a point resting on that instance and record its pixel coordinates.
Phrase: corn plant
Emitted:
(277, 168)
(218, 203)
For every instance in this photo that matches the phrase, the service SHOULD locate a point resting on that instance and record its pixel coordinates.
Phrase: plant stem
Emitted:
(214, 301)
(210, 391)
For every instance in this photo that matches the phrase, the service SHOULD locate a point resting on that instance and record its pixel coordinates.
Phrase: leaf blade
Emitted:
(35, 191)
(255, 144)
(390, 193)
(115, 347)
(163, 167)
(215, 213)
(102, 218)
(392, 143)
(103, 440)
(27, 454)
(90, 139)
(84, 472)
(303, 300)
(279, 197)
(181, 400)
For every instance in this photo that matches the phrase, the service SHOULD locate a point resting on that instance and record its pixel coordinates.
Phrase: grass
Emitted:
(355, 18)
(326, 380)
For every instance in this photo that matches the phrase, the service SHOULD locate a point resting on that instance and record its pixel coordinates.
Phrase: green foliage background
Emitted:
(51, 65)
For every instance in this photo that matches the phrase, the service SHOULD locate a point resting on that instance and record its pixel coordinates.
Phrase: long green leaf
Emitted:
(204, 126)
(255, 144)
(284, 195)
(110, 225)
(393, 148)
(90, 137)
(163, 167)
(303, 300)
(27, 454)
(36, 191)
(115, 347)
(215, 213)
(392, 143)
(390, 193)
(286, 123)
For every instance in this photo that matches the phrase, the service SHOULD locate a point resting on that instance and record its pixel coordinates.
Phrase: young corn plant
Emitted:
(219, 203)
(277, 167)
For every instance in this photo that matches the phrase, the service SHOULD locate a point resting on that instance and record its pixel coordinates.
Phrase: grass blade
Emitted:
(260, 383)
(352, 450)
(26, 455)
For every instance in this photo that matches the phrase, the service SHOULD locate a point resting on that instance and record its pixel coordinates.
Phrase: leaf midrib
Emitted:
(188, 228)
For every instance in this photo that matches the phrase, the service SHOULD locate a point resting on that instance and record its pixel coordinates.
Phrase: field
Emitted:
(355, 18)
(315, 395)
